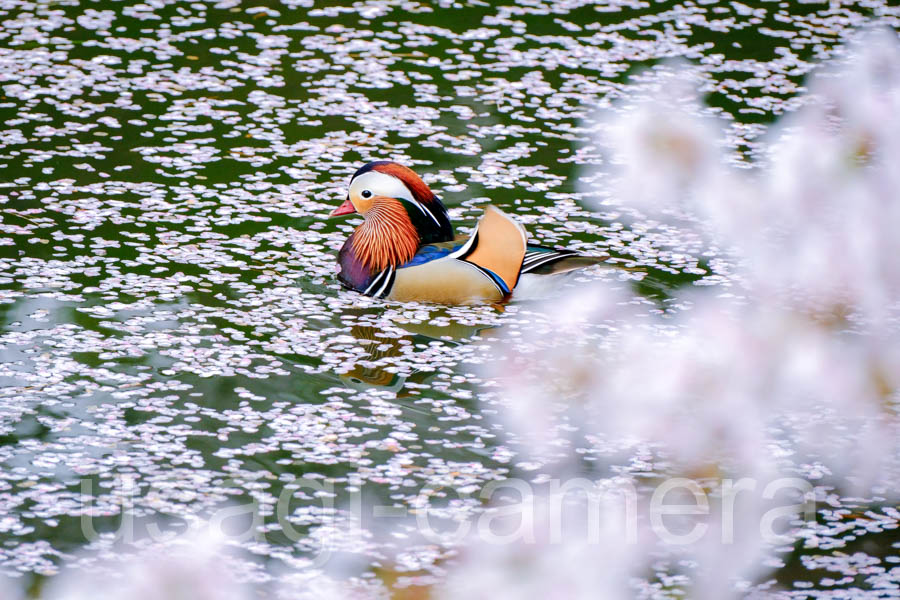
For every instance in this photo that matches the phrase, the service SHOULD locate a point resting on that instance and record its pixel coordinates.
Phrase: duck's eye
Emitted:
(366, 194)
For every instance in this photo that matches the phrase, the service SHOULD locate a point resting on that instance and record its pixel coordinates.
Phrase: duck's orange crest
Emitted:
(387, 237)
(417, 187)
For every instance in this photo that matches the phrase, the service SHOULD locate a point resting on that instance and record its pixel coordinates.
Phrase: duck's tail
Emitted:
(543, 260)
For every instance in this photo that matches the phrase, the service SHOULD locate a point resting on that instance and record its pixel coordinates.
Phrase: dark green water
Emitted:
(172, 337)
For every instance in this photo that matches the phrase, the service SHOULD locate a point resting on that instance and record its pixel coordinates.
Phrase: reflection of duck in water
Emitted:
(373, 371)
(405, 250)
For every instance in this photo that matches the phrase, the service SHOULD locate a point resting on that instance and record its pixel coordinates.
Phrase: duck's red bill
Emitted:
(344, 209)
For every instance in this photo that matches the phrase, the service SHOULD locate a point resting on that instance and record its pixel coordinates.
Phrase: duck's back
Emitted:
(483, 268)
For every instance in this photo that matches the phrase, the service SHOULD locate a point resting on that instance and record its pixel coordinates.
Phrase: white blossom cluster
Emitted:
(805, 349)
(793, 370)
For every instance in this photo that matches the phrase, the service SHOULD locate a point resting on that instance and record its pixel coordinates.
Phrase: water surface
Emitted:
(173, 338)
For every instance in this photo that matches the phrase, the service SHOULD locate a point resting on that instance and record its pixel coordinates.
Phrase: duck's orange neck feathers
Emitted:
(387, 237)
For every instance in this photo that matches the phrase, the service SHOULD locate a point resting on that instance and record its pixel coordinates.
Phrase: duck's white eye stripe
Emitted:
(380, 184)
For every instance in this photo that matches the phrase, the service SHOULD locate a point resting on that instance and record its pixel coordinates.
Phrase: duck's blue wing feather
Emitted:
(432, 252)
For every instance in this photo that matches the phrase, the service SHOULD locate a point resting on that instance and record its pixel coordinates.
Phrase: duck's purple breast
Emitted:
(353, 273)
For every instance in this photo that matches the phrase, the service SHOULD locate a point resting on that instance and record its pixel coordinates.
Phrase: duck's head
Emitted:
(400, 214)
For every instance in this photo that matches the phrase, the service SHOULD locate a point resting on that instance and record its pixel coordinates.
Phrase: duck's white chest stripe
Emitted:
(388, 284)
(381, 285)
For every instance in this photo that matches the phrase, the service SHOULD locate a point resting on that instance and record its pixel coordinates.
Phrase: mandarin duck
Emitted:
(405, 249)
